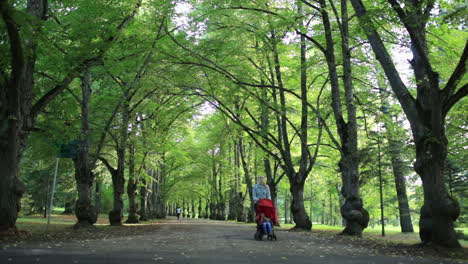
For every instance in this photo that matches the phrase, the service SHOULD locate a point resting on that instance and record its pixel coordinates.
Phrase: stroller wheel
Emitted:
(258, 235)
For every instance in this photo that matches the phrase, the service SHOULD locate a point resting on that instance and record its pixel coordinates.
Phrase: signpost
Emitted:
(68, 150)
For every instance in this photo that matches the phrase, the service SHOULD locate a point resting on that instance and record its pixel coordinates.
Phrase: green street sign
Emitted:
(69, 150)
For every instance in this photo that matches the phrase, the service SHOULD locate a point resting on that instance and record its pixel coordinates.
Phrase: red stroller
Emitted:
(266, 207)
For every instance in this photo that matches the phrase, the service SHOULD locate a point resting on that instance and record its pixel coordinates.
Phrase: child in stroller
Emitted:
(266, 218)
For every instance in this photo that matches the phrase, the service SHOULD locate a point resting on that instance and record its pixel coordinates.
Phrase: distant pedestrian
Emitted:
(178, 211)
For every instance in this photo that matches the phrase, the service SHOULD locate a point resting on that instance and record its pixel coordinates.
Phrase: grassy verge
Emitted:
(392, 234)
(36, 225)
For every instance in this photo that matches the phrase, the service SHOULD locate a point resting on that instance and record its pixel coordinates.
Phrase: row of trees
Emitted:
(298, 87)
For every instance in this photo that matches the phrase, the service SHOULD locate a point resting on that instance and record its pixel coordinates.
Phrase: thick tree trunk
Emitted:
(221, 207)
(84, 210)
(439, 210)
(357, 218)
(159, 204)
(212, 211)
(11, 188)
(16, 115)
(132, 205)
(298, 212)
(118, 182)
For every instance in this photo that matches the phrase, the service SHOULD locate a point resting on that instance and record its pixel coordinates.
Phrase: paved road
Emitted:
(199, 241)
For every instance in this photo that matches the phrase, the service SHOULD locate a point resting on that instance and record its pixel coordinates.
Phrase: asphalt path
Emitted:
(200, 241)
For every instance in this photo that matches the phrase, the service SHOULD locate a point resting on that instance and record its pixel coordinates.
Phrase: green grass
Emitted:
(392, 233)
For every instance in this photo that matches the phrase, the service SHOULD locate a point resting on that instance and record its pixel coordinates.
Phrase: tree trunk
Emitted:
(16, 115)
(118, 178)
(286, 202)
(132, 205)
(193, 208)
(97, 196)
(403, 206)
(84, 210)
(240, 207)
(232, 205)
(143, 199)
(159, 205)
(398, 165)
(118, 182)
(11, 188)
(132, 186)
(298, 212)
(352, 210)
(212, 211)
(439, 211)
(248, 178)
(200, 215)
(68, 208)
(207, 215)
(357, 218)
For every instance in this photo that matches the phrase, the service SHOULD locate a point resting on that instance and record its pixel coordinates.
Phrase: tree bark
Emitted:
(16, 97)
(159, 204)
(132, 205)
(132, 186)
(298, 212)
(143, 200)
(84, 210)
(232, 215)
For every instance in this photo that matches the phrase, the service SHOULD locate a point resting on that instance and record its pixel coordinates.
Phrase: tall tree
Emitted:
(18, 104)
(352, 210)
(426, 112)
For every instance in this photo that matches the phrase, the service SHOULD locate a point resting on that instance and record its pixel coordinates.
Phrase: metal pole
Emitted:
(382, 217)
(52, 194)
